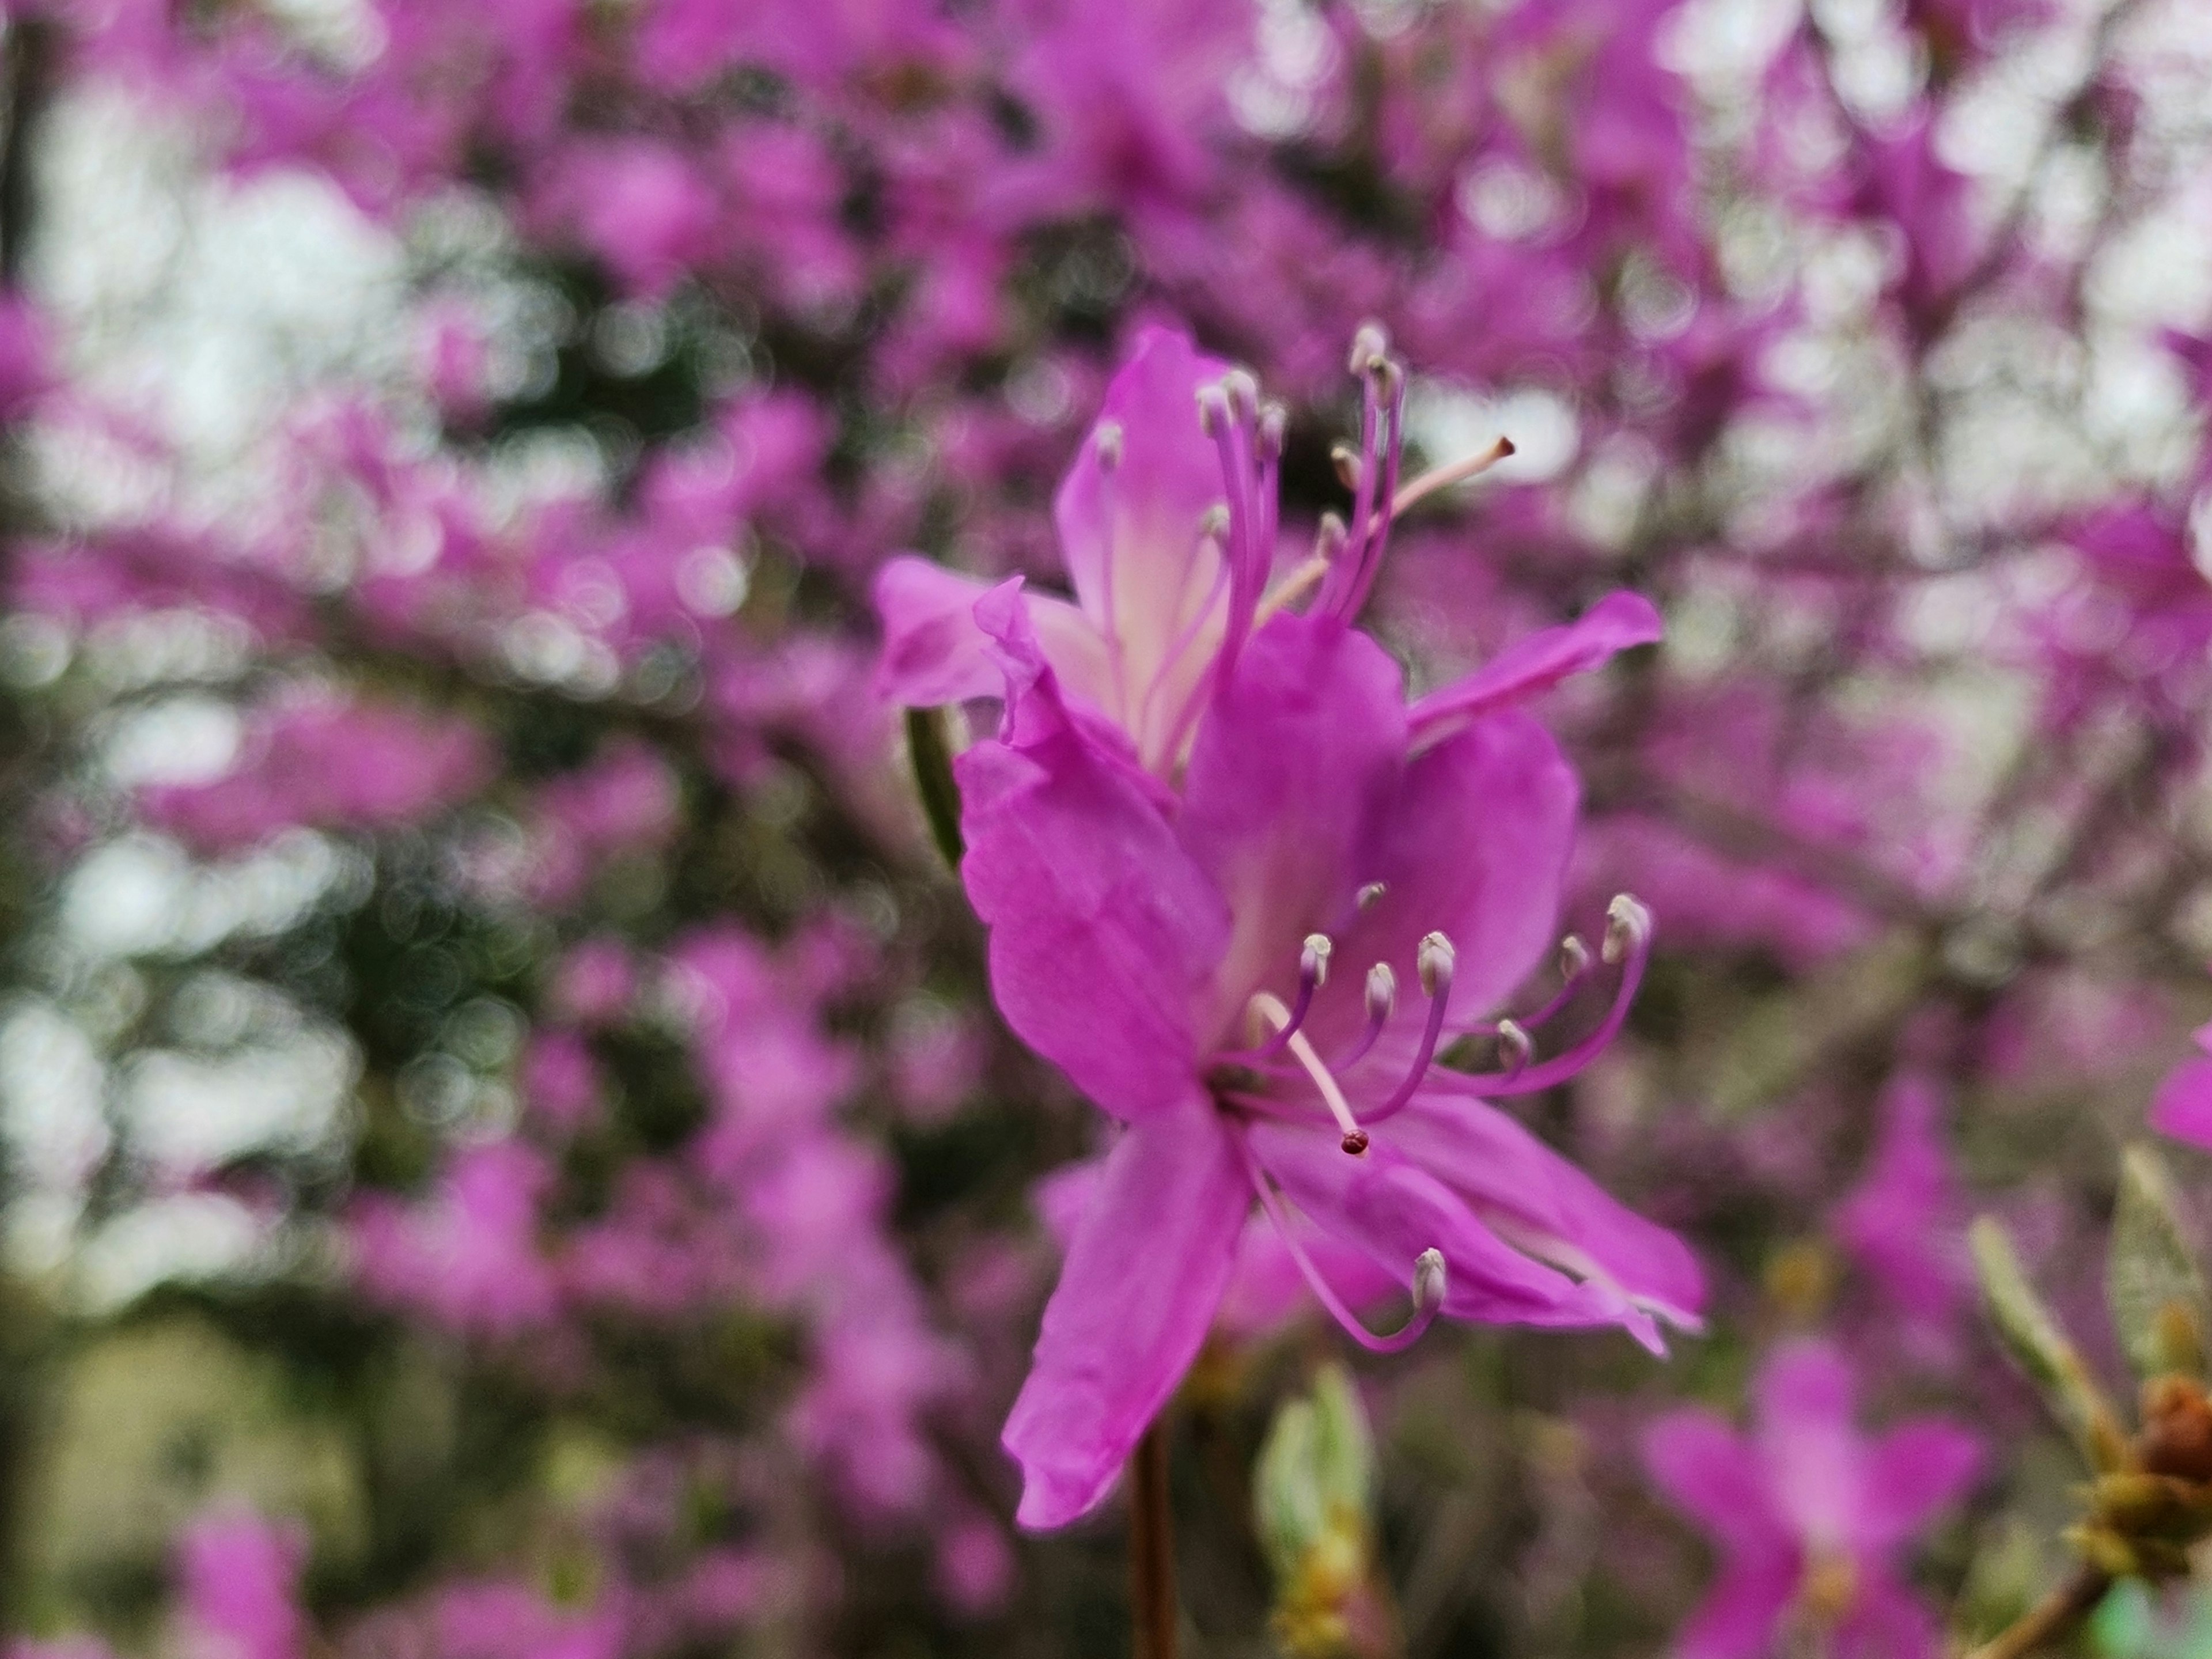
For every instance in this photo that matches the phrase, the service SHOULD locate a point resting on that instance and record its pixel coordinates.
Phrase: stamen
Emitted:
(1430, 1276)
(1108, 444)
(1514, 1047)
(1313, 974)
(1329, 538)
(1382, 1002)
(1628, 939)
(1369, 896)
(1243, 394)
(1434, 961)
(1345, 460)
(1443, 477)
(1213, 409)
(1275, 425)
(1370, 345)
(1270, 1007)
(1574, 967)
(1627, 927)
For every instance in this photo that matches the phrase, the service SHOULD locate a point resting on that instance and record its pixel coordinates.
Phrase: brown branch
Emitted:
(1151, 1549)
(2049, 1618)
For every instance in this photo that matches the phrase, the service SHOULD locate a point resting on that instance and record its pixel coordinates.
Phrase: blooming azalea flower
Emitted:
(1809, 1516)
(1168, 522)
(1166, 941)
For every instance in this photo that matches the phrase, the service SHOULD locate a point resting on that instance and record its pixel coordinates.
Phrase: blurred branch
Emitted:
(33, 48)
(1151, 1549)
(2050, 1619)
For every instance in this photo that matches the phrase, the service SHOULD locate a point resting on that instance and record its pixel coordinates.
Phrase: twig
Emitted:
(2050, 1619)
(1151, 1549)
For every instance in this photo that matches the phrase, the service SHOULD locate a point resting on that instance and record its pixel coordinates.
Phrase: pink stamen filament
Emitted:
(1435, 980)
(1635, 953)
(1381, 1002)
(1428, 1274)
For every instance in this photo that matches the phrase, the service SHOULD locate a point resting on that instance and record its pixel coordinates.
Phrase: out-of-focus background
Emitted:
(505, 1150)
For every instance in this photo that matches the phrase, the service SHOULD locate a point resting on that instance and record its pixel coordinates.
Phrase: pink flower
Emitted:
(2183, 1106)
(1166, 943)
(1810, 1517)
(237, 1576)
(468, 1257)
(1902, 1222)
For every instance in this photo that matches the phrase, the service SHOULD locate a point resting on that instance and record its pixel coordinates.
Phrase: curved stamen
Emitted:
(1435, 960)
(1429, 1274)
(1627, 939)
(1366, 562)
(1270, 1007)
(1382, 1002)
(1313, 974)
(1574, 968)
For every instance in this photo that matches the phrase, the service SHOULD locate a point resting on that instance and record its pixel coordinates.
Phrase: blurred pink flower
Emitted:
(1810, 1517)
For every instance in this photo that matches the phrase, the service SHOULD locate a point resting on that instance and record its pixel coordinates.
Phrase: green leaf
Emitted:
(2032, 1336)
(929, 750)
(2152, 1284)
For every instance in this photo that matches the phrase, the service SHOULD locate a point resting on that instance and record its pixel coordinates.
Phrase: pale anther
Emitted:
(1243, 393)
(1370, 896)
(1109, 444)
(1274, 422)
(1370, 345)
(1574, 957)
(1434, 960)
(1514, 1047)
(1430, 1279)
(1313, 958)
(1382, 991)
(1346, 461)
(1213, 410)
(1627, 923)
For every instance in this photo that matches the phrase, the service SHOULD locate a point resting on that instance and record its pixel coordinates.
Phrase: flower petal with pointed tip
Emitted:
(1144, 1272)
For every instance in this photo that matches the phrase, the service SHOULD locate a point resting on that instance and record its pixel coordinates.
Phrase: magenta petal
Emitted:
(1103, 932)
(1296, 760)
(1267, 1287)
(1714, 1476)
(934, 653)
(1542, 1202)
(1910, 1472)
(1475, 846)
(1538, 662)
(1144, 1275)
(2183, 1105)
(1130, 533)
(1740, 1614)
(1887, 1621)
(1393, 1211)
(1804, 1393)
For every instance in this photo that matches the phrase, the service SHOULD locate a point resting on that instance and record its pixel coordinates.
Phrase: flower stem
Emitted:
(1152, 1548)
(2049, 1618)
